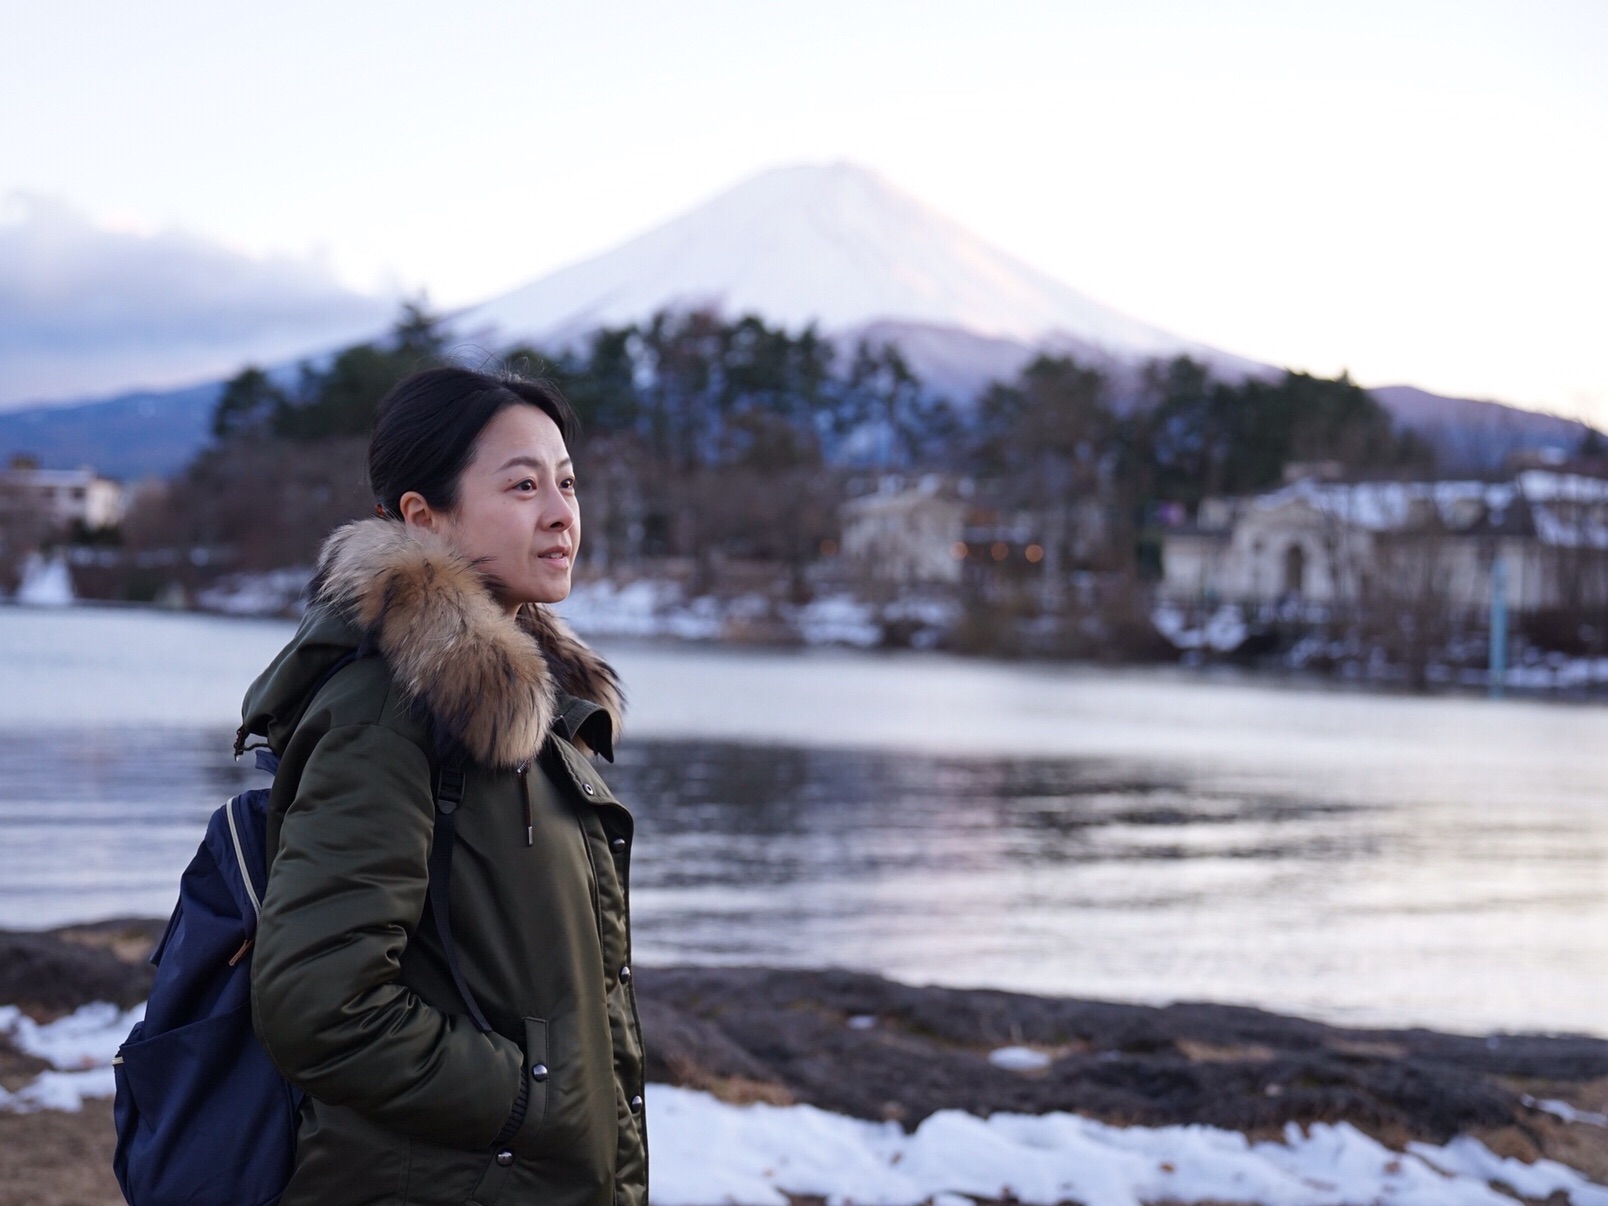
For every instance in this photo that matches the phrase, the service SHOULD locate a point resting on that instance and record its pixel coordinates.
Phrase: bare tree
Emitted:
(1408, 610)
(25, 527)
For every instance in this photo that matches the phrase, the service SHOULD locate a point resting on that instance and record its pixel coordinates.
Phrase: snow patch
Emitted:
(1223, 631)
(1565, 1111)
(838, 620)
(1019, 1059)
(79, 1048)
(46, 582)
(64, 1091)
(708, 1152)
(651, 607)
(272, 593)
(657, 608)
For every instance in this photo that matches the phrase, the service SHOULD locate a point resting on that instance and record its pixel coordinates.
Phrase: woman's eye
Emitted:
(528, 484)
(567, 484)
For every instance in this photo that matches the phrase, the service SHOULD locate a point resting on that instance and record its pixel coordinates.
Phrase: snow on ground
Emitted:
(707, 1153)
(1557, 670)
(271, 593)
(656, 608)
(1019, 1059)
(644, 608)
(79, 1047)
(1224, 630)
(46, 582)
(601, 608)
(1567, 1112)
(838, 620)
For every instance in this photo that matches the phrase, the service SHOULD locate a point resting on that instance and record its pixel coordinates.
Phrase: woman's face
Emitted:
(517, 515)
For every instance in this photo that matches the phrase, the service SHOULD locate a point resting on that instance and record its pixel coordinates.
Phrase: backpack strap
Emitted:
(448, 790)
(448, 795)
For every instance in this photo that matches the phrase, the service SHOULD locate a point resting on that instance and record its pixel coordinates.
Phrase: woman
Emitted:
(429, 653)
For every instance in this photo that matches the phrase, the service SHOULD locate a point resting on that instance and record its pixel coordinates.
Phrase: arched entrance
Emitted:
(1294, 570)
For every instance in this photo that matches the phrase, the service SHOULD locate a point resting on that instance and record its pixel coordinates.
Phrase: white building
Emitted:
(1332, 543)
(906, 535)
(62, 497)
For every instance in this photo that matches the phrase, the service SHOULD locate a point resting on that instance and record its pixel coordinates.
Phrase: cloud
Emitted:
(86, 309)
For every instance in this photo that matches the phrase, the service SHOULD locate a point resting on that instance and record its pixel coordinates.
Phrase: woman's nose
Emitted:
(560, 514)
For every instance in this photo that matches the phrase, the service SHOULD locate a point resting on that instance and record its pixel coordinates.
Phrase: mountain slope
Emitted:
(837, 246)
(146, 434)
(1470, 434)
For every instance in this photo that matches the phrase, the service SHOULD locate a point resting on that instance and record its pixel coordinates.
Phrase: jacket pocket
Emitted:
(570, 1091)
(538, 1073)
(494, 1180)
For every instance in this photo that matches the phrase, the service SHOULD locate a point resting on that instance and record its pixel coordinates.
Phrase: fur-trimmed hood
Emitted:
(489, 680)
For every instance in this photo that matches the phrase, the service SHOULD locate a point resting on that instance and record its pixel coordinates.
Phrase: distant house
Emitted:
(1330, 543)
(906, 534)
(63, 497)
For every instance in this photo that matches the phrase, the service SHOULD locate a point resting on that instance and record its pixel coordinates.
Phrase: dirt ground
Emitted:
(56, 1159)
(861, 1045)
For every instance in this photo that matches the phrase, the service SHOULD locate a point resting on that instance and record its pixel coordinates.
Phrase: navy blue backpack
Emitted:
(203, 1116)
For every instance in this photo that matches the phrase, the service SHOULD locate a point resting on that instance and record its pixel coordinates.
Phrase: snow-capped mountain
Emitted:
(838, 246)
(835, 245)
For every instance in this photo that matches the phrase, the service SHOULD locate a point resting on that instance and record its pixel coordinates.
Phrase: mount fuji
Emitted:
(840, 247)
(837, 246)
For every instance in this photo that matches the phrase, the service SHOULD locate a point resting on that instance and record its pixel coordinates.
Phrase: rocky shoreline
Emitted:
(864, 1046)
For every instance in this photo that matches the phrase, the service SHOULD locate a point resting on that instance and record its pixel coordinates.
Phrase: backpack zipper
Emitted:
(240, 858)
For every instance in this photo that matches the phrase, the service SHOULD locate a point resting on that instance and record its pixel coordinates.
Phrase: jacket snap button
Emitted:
(625, 975)
(587, 788)
(505, 1158)
(538, 1071)
(636, 1104)
(617, 845)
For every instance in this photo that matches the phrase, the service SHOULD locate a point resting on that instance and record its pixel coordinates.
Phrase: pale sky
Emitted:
(1413, 190)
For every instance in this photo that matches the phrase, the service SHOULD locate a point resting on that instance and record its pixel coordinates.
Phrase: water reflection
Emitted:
(713, 812)
(1125, 878)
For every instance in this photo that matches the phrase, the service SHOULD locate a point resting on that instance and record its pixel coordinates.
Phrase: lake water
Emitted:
(1133, 835)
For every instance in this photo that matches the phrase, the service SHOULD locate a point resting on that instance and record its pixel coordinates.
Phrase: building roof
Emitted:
(1561, 509)
(82, 476)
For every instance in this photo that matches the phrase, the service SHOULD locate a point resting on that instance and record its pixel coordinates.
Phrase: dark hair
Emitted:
(427, 425)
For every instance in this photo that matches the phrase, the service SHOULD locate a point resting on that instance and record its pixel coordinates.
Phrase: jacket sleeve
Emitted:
(349, 879)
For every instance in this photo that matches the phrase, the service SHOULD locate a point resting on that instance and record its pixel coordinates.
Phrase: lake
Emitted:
(1135, 835)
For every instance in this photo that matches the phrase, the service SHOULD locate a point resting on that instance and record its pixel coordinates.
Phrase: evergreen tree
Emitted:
(885, 396)
(250, 404)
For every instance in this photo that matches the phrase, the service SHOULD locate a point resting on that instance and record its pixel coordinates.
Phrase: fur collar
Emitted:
(490, 679)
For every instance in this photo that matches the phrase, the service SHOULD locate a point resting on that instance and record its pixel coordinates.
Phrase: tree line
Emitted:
(720, 440)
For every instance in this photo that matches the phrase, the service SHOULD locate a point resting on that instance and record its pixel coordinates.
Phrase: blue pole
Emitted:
(1498, 653)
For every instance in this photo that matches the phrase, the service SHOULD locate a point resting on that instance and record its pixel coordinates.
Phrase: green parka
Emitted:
(407, 1102)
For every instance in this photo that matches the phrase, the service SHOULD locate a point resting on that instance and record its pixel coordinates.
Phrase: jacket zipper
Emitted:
(530, 819)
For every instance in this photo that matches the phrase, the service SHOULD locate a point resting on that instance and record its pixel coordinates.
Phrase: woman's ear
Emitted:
(416, 513)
